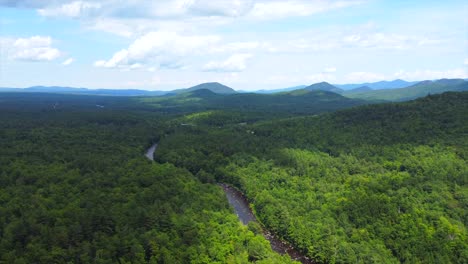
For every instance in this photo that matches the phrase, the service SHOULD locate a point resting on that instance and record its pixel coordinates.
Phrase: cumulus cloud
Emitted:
(68, 61)
(231, 8)
(263, 9)
(281, 9)
(159, 48)
(29, 3)
(235, 63)
(74, 9)
(36, 48)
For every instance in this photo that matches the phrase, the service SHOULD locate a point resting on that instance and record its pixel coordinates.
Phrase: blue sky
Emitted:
(246, 44)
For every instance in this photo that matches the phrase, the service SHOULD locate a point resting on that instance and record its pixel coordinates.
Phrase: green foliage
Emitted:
(76, 188)
(382, 183)
(283, 104)
(375, 184)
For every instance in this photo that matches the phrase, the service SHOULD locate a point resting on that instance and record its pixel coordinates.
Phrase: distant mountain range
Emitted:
(84, 91)
(298, 101)
(417, 90)
(280, 90)
(360, 89)
(398, 83)
(348, 87)
(397, 90)
(212, 86)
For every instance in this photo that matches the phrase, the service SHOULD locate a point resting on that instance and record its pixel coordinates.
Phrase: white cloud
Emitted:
(466, 61)
(163, 49)
(74, 9)
(358, 77)
(329, 70)
(419, 75)
(68, 61)
(235, 63)
(231, 8)
(281, 9)
(26, 3)
(263, 9)
(36, 48)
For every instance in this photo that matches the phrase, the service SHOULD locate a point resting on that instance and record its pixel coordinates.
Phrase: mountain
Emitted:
(323, 86)
(202, 93)
(84, 91)
(280, 90)
(55, 89)
(398, 83)
(359, 89)
(285, 104)
(212, 86)
(419, 89)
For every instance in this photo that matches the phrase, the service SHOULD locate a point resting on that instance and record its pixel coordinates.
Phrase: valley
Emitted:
(339, 182)
(233, 132)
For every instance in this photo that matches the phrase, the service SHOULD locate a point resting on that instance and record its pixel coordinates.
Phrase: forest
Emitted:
(382, 183)
(75, 188)
(372, 183)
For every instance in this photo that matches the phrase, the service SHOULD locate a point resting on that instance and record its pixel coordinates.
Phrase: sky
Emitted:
(245, 44)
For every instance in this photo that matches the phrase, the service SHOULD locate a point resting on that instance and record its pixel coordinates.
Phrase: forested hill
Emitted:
(429, 120)
(76, 188)
(383, 183)
(285, 104)
(417, 90)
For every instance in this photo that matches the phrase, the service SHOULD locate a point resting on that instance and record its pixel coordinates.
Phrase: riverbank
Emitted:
(245, 214)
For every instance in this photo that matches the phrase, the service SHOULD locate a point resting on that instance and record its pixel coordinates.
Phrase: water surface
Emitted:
(242, 209)
(150, 152)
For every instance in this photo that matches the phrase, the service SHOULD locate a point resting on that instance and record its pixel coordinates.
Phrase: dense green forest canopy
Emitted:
(75, 188)
(284, 104)
(382, 183)
(378, 183)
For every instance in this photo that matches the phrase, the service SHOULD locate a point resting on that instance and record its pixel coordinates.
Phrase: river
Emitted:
(150, 152)
(242, 208)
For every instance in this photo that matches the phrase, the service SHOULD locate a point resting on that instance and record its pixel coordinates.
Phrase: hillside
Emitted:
(296, 102)
(76, 188)
(360, 89)
(349, 186)
(420, 89)
(212, 86)
(323, 86)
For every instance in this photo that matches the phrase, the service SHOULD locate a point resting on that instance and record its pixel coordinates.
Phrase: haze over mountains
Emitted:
(398, 83)
(397, 90)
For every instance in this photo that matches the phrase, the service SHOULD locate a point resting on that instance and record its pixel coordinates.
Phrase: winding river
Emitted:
(149, 154)
(242, 208)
